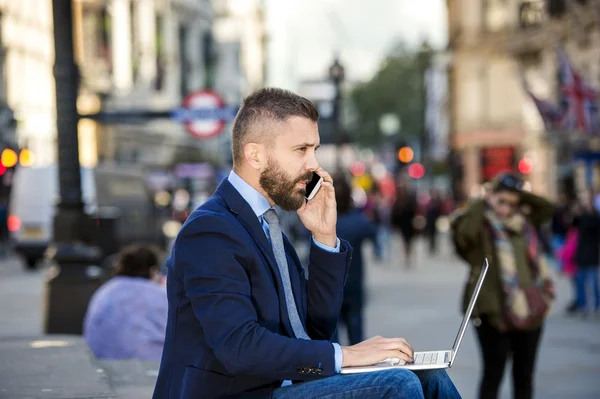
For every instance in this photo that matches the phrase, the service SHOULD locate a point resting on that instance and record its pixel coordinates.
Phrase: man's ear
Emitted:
(255, 155)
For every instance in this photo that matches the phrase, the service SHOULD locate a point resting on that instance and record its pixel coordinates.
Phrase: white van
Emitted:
(35, 194)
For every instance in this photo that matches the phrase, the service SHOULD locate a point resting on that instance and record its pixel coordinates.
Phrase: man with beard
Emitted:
(243, 319)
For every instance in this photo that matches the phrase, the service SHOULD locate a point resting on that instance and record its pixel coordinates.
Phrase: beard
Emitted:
(281, 188)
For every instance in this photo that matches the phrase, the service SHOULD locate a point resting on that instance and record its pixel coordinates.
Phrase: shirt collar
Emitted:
(256, 200)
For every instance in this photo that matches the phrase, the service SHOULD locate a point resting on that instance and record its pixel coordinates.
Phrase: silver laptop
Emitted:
(432, 359)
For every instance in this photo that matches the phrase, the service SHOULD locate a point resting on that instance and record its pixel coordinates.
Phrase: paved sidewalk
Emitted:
(421, 305)
(57, 367)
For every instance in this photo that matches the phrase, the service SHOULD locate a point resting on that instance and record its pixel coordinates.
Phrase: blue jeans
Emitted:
(587, 278)
(386, 384)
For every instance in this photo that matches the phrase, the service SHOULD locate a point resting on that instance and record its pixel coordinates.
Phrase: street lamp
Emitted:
(336, 71)
(70, 281)
(336, 74)
(424, 59)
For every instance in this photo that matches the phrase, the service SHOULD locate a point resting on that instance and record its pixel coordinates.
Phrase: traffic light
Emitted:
(26, 157)
(406, 154)
(9, 158)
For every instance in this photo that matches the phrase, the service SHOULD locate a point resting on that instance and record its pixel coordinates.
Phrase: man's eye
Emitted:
(302, 149)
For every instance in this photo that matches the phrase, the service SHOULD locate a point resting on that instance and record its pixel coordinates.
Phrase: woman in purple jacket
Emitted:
(127, 316)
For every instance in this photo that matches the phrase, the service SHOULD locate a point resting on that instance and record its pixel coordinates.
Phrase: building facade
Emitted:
(132, 55)
(241, 35)
(240, 38)
(26, 80)
(494, 123)
(141, 55)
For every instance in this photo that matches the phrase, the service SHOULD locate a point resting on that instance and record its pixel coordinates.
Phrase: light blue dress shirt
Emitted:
(260, 205)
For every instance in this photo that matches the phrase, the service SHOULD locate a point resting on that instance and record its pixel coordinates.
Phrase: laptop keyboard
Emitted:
(426, 358)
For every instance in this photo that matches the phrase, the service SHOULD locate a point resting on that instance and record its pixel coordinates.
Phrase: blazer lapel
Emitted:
(248, 219)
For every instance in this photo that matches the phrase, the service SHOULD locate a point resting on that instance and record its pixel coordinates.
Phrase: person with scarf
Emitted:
(515, 297)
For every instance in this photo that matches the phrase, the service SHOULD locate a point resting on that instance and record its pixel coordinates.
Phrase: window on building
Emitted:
(135, 45)
(208, 57)
(2, 64)
(495, 15)
(484, 86)
(531, 13)
(160, 53)
(96, 36)
(556, 8)
(183, 60)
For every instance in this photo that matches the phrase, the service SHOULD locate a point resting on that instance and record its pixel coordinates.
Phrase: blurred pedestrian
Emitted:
(568, 265)
(376, 211)
(127, 316)
(432, 214)
(4, 233)
(384, 232)
(515, 297)
(560, 222)
(403, 215)
(353, 226)
(587, 254)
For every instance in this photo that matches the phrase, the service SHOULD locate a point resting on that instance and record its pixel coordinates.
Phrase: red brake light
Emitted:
(13, 223)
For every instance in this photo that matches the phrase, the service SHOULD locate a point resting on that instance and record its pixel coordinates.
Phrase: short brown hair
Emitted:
(137, 260)
(267, 103)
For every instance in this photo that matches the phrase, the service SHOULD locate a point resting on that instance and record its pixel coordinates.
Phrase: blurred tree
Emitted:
(396, 89)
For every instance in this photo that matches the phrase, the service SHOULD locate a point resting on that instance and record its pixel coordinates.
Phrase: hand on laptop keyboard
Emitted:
(392, 361)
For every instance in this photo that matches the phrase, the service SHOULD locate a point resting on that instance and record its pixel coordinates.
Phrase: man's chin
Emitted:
(293, 204)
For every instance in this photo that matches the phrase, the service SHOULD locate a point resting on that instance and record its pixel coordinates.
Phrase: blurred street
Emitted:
(421, 305)
(119, 118)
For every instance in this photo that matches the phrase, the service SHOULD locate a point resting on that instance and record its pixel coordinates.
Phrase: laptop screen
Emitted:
(465, 322)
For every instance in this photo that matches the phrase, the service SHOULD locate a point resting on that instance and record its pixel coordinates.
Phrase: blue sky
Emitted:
(305, 33)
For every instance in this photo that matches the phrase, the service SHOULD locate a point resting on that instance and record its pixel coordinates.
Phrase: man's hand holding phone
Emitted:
(319, 214)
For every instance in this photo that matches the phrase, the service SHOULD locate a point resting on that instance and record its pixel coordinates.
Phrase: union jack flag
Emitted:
(578, 100)
(552, 115)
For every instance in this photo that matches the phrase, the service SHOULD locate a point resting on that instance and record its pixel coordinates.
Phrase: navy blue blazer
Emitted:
(228, 332)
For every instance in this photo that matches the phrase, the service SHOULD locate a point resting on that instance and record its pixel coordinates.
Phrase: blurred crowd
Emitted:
(134, 300)
(528, 238)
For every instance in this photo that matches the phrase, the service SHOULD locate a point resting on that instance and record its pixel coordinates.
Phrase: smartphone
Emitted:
(313, 186)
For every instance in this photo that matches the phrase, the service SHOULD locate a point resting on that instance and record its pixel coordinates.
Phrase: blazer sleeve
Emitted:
(328, 272)
(209, 256)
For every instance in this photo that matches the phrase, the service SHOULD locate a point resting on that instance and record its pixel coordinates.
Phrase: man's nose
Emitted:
(312, 163)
